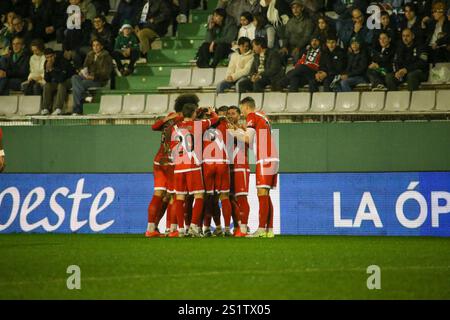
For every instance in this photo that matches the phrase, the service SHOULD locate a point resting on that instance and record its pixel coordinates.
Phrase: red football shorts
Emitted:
(163, 177)
(240, 181)
(216, 177)
(266, 175)
(188, 181)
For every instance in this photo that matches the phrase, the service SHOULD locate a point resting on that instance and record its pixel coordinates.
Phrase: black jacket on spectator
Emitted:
(25, 35)
(357, 64)
(126, 11)
(390, 30)
(18, 69)
(445, 39)
(41, 17)
(62, 70)
(106, 36)
(273, 67)
(333, 63)
(226, 32)
(59, 14)
(412, 58)
(21, 7)
(161, 13)
(416, 28)
(384, 59)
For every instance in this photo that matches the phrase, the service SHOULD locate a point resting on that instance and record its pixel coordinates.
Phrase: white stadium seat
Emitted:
(397, 101)
(424, 100)
(219, 76)
(298, 102)
(8, 105)
(178, 78)
(29, 105)
(133, 103)
(322, 102)
(173, 97)
(372, 101)
(257, 96)
(202, 77)
(110, 104)
(443, 100)
(227, 99)
(347, 101)
(274, 102)
(206, 99)
(156, 103)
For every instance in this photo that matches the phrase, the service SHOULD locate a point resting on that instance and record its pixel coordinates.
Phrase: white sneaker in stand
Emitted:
(44, 112)
(57, 112)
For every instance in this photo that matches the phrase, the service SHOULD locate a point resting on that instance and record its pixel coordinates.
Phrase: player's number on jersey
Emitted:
(74, 17)
(187, 143)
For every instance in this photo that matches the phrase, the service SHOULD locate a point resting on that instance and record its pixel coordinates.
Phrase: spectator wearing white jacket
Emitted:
(239, 66)
(35, 81)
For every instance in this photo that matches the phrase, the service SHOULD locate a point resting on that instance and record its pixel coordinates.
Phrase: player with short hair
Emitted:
(2, 152)
(186, 148)
(259, 135)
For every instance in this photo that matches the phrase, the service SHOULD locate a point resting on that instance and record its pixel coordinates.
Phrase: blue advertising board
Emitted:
(385, 204)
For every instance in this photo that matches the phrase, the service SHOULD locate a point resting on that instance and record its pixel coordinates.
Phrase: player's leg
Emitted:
(155, 205)
(222, 184)
(195, 186)
(235, 214)
(180, 187)
(241, 179)
(208, 180)
(263, 199)
(218, 232)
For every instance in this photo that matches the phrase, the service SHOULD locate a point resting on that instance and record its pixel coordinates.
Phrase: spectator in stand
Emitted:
(410, 64)
(277, 13)
(247, 28)
(59, 19)
(438, 33)
(127, 12)
(239, 66)
(297, 32)
(101, 6)
(411, 21)
(96, 73)
(265, 30)
(6, 33)
(355, 73)
(356, 28)
(332, 64)
(14, 68)
(184, 7)
(344, 10)
(35, 81)
(324, 30)
(234, 8)
(58, 73)
(77, 27)
(382, 58)
(267, 69)
(21, 7)
(87, 9)
(153, 21)
(386, 27)
(306, 68)
(20, 29)
(40, 18)
(221, 32)
(126, 47)
(314, 7)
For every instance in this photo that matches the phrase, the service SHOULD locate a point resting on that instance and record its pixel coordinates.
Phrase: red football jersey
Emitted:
(263, 144)
(240, 154)
(186, 142)
(163, 156)
(1, 134)
(215, 144)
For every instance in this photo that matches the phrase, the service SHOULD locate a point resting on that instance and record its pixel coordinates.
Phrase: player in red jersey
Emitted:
(2, 152)
(186, 146)
(259, 136)
(240, 172)
(216, 169)
(163, 169)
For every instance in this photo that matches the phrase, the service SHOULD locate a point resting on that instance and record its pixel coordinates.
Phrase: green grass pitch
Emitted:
(33, 266)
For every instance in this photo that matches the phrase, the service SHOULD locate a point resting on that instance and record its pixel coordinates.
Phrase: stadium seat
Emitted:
(347, 101)
(133, 104)
(206, 99)
(227, 99)
(443, 100)
(8, 105)
(110, 104)
(257, 96)
(156, 103)
(397, 101)
(201, 77)
(274, 102)
(424, 100)
(372, 101)
(322, 101)
(29, 105)
(178, 78)
(298, 102)
(219, 76)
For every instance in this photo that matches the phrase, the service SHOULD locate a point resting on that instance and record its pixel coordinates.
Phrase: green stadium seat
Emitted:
(298, 102)
(8, 105)
(423, 100)
(443, 100)
(192, 30)
(173, 43)
(274, 102)
(29, 105)
(397, 101)
(372, 101)
(167, 57)
(347, 101)
(323, 101)
(156, 103)
(110, 104)
(133, 104)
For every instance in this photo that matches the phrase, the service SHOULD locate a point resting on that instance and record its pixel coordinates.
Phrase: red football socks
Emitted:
(263, 210)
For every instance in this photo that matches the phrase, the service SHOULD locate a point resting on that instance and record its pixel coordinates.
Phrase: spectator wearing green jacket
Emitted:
(126, 47)
(222, 30)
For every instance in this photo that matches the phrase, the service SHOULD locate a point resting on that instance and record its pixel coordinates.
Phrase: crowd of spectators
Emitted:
(336, 43)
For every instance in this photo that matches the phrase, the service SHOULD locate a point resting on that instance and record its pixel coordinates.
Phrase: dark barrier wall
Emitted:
(328, 147)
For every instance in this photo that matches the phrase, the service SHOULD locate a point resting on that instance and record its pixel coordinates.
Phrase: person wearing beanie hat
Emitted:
(438, 31)
(126, 47)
